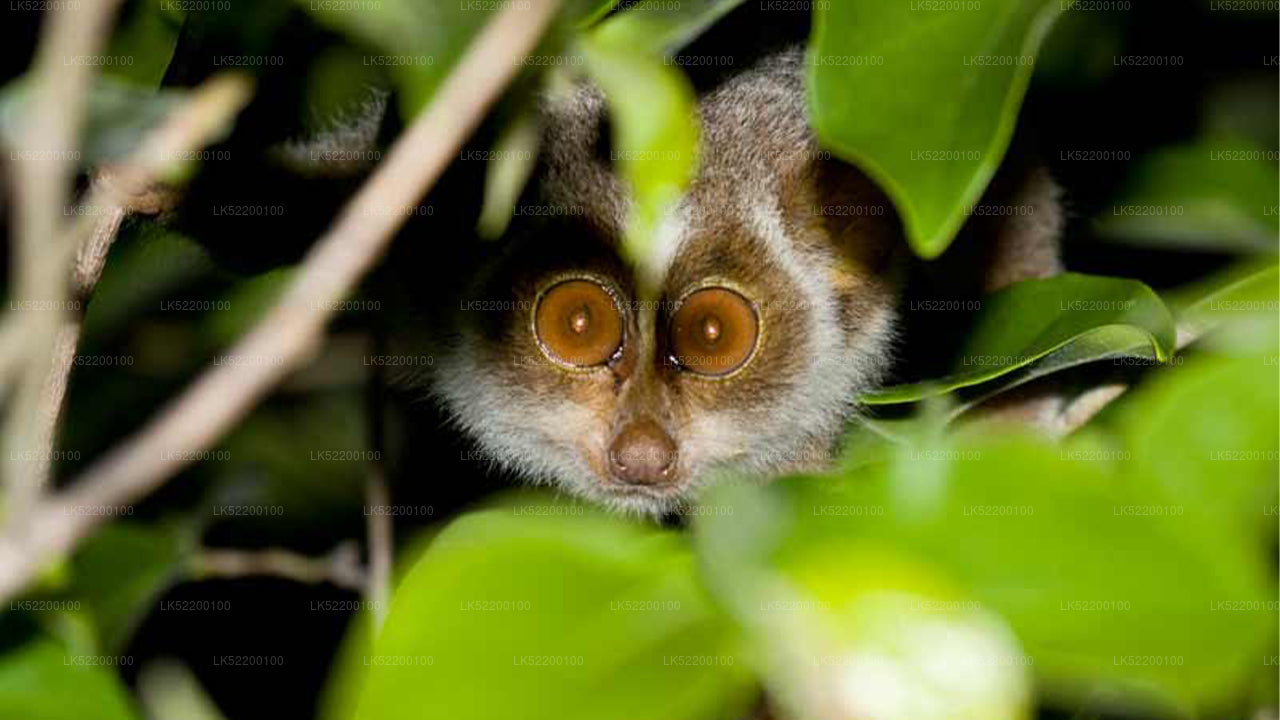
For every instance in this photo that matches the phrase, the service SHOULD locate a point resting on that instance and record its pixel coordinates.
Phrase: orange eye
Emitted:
(578, 323)
(714, 332)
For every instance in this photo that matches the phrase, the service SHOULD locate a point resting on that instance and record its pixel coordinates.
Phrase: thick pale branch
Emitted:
(292, 329)
(44, 169)
(113, 195)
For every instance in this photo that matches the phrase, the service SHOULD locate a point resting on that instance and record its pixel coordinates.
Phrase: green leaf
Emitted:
(655, 130)
(669, 26)
(516, 152)
(426, 38)
(143, 44)
(1112, 342)
(553, 611)
(120, 115)
(1242, 298)
(262, 465)
(1208, 434)
(853, 629)
(120, 572)
(148, 262)
(40, 681)
(942, 119)
(244, 305)
(1218, 196)
(169, 689)
(1030, 320)
(1103, 599)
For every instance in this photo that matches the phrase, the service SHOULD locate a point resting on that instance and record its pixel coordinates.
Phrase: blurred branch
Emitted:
(291, 330)
(378, 591)
(377, 494)
(340, 567)
(42, 182)
(114, 193)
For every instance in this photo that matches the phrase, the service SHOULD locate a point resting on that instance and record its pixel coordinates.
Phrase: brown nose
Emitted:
(642, 454)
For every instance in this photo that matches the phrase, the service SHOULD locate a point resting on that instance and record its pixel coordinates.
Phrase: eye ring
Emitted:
(714, 332)
(578, 322)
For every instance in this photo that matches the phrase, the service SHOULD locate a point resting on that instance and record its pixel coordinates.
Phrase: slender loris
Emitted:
(781, 277)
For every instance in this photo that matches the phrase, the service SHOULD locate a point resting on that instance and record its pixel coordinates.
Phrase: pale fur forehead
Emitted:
(754, 133)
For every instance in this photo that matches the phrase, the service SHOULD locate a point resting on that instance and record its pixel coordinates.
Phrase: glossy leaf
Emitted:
(1030, 320)
(924, 101)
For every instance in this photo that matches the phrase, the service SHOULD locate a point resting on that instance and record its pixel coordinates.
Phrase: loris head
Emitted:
(774, 310)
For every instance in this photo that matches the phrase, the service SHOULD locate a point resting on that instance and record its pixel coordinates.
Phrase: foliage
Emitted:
(935, 148)
(942, 569)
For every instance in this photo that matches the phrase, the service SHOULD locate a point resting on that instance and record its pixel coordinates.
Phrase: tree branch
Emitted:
(340, 567)
(291, 330)
(43, 174)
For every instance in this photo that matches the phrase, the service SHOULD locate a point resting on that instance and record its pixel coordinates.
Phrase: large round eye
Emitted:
(578, 323)
(714, 331)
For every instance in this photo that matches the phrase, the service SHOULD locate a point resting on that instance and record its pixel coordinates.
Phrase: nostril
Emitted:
(642, 454)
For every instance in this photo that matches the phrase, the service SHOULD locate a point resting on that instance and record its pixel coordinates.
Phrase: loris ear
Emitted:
(1012, 234)
(840, 204)
(1016, 230)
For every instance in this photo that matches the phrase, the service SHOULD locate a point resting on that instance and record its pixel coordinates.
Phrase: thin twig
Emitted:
(291, 330)
(377, 494)
(378, 591)
(340, 567)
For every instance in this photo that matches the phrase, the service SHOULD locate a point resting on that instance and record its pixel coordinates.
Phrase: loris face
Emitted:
(772, 314)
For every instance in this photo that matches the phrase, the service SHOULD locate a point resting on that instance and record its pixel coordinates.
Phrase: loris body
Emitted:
(780, 278)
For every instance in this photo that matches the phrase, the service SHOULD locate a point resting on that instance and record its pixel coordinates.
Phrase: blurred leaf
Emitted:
(244, 306)
(667, 27)
(274, 459)
(887, 638)
(1242, 297)
(934, 148)
(422, 39)
(516, 154)
(38, 681)
(553, 611)
(1208, 433)
(119, 116)
(1242, 106)
(147, 263)
(1105, 599)
(1215, 196)
(1081, 49)
(120, 572)
(143, 44)
(425, 38)
(655, 131)
(1030, 320)
(170, 691)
